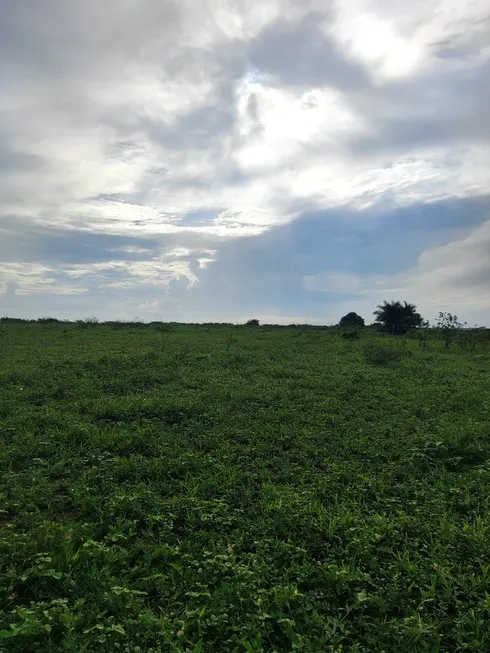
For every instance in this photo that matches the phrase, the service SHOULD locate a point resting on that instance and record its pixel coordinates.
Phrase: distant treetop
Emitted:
(352, 319)
(398, 318)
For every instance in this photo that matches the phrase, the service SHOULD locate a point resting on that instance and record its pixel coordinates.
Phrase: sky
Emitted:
(221, 160)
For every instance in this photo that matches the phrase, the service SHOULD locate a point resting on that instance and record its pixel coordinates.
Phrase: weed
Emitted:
(164, 342)
(229, 341)
(350, 335)
(382, 353)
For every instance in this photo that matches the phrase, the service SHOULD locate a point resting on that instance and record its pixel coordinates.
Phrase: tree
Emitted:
(398, 318)
(253, 322)
(448, 325)
(352, 319)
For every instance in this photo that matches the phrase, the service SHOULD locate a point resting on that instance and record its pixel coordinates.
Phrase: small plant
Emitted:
(164, 342)
(448, 326)
(378, 353)
(230, 340)
(184, 351)
(422, 335)
(253, 322)
(470, 339)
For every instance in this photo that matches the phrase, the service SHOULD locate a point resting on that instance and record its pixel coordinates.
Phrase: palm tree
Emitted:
(398, 318)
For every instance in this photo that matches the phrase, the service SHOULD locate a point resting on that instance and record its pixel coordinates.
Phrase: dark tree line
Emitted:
(393, 317)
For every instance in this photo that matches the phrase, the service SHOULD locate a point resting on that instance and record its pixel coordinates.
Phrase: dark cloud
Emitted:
(301, 54)
(435, 109)
(56, 37)
(472, 38)
(24, 241)
(200, 129)
(12, 162)
(124, 198)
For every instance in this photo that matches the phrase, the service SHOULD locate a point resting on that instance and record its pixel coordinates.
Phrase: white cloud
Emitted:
(33, 279)
(395, 38)
(375, 42)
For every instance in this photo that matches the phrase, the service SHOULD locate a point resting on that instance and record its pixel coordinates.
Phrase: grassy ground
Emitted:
(241, 489)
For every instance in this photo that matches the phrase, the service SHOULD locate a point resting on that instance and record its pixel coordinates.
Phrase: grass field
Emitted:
(194, 488)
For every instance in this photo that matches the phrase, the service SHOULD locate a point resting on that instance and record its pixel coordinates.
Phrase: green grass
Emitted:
(250, 489)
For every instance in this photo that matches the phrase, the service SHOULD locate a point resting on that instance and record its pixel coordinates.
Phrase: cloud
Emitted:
(153, 154)
(301, 53)
(461, 267)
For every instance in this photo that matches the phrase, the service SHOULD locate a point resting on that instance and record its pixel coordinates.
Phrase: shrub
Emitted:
(379, 353)
(14, 320)
(422, 336)
(88, 321)
(352, 319)
(164, 328)
(377, 326)
(469, 339)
